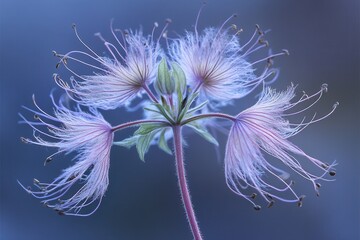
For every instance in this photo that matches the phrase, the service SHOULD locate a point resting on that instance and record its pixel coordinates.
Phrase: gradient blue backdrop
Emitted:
(143, 200)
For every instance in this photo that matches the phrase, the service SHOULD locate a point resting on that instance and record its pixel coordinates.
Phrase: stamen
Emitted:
(116, 38)
(224, 23)
(78, 37)
(257, 207)
(197, 21)
(167, 23)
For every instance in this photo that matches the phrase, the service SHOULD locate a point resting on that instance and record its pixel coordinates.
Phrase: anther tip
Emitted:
(332, 173)
(286, 52)
(324, 87)
(271, 203)
(257, 207)
(24, 140)
(168, 20)
(73, 26)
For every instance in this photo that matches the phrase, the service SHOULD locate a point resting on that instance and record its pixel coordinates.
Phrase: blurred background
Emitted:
(143, 200)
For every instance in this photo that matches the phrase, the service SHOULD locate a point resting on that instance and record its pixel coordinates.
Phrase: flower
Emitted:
(215, 63)
(90, 137)
(120, 78)
(263, 129)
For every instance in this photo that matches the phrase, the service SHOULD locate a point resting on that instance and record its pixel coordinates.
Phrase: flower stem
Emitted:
(149, 93)
(185, 194)
(208, 115)
(135, 123)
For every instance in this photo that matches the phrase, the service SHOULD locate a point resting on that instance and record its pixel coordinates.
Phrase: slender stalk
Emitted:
(208, 115)
(135, 123)
(149, 93)
(185, 194)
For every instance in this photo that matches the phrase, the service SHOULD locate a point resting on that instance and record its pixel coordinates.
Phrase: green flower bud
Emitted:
(164, 83)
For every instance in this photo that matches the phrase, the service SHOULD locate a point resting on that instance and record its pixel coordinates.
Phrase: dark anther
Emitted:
(235, 15)
(163, 100)
(57, 65)
(264, 42)
(253, 196)
(60, 212)
(47, 160)
(55, 53)
(269, 196)
(72, 177)
(271, 203)
(325, 165)
(36, 117)
(28, 188)
(332, 173)
(73, 25)
(318, 185)
(183, 103)
(257, 207)
(300, 203)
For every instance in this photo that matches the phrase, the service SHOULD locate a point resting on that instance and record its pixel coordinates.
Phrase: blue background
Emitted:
(143, 200)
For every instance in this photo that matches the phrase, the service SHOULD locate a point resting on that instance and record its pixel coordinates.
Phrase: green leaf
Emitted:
(163, 143)
(202, 131)
(180, 81)
(164, 82)
(198, 107)
(188, 103)
(164, 112)
(146, 128)
(143, 144)
(127, 142)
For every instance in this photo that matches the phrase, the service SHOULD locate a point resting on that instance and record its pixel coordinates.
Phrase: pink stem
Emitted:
(149, 93)
(135, 123)
(185, 194)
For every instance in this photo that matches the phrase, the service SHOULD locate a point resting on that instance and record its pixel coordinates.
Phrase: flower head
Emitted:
(121, 77)
(262, 129)
(90, 137)
(217, 64)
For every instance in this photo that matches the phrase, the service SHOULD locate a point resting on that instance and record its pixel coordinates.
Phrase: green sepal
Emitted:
(127, 142)
(164, 112)
(202, 131)
(180, 81)
(143, 144)
(164, 83)
(186, 105)
(198, 107)
(146, 128)
(163, 143)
